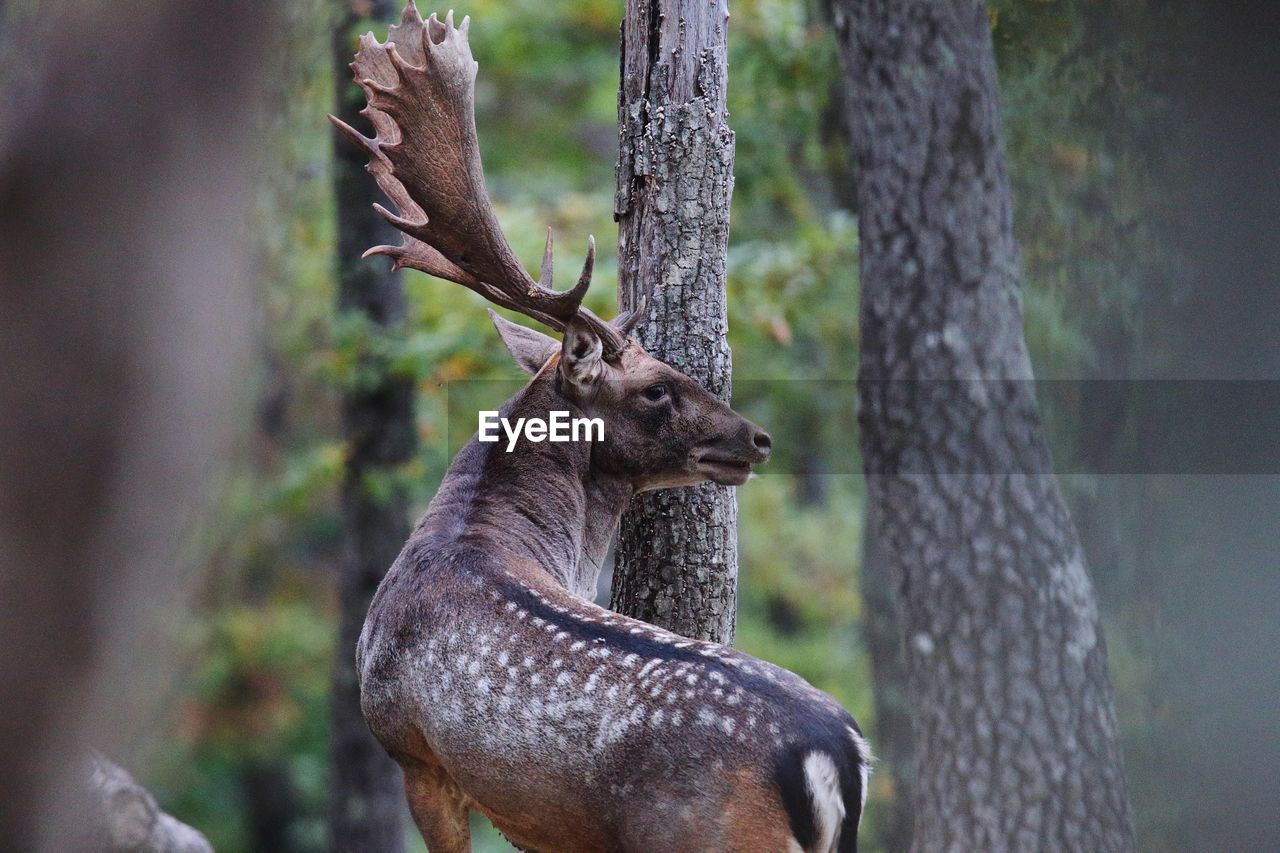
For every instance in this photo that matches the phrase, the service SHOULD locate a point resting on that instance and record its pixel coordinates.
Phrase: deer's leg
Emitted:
(439, 808)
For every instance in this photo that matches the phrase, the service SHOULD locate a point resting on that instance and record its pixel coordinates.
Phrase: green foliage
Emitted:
(259, 697)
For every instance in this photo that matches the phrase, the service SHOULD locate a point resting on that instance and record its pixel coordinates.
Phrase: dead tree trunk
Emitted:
(1015, 732)
(677, 555)
(368, 805)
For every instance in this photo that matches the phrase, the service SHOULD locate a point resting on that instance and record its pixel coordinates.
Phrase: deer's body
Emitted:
(485, 670)
(494, 681)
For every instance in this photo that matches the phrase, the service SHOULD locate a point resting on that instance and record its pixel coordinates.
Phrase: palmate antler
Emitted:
(420, 88)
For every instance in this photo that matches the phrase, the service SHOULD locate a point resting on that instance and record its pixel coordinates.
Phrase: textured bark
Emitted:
(1015, 732)
(367, 798)
(677, 560)
(892, 735)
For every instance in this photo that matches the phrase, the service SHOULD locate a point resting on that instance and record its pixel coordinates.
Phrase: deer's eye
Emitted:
(655, 392)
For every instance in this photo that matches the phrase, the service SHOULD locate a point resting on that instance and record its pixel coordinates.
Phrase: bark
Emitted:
(677, 561)
(368, 808)
(892, 734)
(1015, 732)
(891, 728)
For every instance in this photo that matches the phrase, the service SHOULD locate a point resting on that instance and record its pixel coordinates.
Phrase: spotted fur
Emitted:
(485, 672)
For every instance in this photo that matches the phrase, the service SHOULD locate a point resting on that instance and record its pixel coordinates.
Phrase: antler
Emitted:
(420, 88)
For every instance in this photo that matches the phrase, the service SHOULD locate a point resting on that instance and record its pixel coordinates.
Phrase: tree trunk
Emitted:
(677, 555)
(368, 806)
(1015, 732)
(125, 177)
(892, 733)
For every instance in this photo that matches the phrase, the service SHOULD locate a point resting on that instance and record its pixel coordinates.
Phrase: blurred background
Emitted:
(1141, 210)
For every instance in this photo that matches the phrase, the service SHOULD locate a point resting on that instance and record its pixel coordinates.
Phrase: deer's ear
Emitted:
(529, 347)
(581, 355)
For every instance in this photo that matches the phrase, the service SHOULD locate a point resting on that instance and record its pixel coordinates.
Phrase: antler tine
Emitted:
(546, 274)
(625, 322)
(420, 88)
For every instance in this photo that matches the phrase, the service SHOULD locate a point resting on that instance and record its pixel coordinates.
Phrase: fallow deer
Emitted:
(485, 670)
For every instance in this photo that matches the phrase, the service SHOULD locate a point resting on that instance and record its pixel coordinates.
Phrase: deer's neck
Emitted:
(540, 501)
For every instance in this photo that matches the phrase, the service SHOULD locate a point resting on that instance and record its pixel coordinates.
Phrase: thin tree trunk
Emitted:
(368, 806)
(677, 556)
(1015, 732)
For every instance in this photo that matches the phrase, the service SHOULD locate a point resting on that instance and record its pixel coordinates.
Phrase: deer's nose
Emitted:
(762, 443)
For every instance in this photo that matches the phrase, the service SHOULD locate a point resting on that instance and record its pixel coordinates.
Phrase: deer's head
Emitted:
(661, 427)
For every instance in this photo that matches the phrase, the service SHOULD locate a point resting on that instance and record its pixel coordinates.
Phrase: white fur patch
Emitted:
(828, 805)
(864, 760)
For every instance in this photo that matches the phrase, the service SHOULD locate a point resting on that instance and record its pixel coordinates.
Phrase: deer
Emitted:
(486, 671)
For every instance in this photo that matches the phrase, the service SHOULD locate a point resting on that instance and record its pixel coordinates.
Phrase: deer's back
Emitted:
(520, 689)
